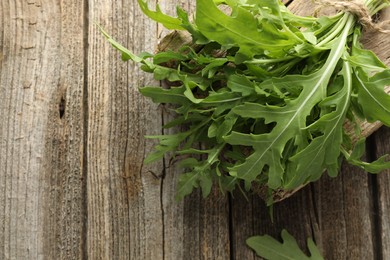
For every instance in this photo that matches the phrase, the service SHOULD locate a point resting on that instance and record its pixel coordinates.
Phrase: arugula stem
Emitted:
(345, 153)
(338, 28)
(281, 69)
(268, 61)
(212, 158)
(336, 17)
(285, 27)
(216, 154)
(378, 8)
(368, 2)
(373, 5)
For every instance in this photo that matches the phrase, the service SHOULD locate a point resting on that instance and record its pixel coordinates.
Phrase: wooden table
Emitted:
(72, 180)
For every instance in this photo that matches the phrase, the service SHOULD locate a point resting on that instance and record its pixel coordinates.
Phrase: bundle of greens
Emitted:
(262, 95)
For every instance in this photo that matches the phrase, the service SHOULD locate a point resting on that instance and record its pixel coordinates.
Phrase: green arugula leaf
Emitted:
(376, 166)
(366, 60)
(160, 95)
(374, 101)
(187, 182)
(126, 54)
(242, 85)
(168, 21)
(200, 175)
(269, 248)
(168, 143)
(243, 30)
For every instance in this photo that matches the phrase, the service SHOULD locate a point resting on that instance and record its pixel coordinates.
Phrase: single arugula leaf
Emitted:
(364, 59)
(200, 175)
(174, 95)
(126, 54)
(242, 85)
(269, 248)
(167, 56)
(226, 126)
(242, 29)
(227, 183)
(167, 143)
(197, 36)
(376, 166)
(374, 101)
(210, 70)
(169, 22)
(187, 182)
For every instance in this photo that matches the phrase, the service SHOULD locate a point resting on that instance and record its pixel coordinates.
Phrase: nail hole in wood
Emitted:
(61, 107)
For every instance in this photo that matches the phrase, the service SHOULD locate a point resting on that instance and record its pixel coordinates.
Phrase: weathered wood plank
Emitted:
(382, 180)
(41, 188)
(252, 217)
(124, 209)
(343, 206)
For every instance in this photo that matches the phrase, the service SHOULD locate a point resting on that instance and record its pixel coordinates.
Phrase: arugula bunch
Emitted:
(262, 94)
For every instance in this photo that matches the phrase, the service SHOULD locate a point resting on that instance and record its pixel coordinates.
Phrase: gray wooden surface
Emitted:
(72, 180)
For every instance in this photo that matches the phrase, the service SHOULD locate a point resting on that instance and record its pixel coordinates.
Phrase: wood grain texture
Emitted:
(382, 198)
(344, 211)
(64, 200)
(252, 217)
(41, 66)
(124, 210)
